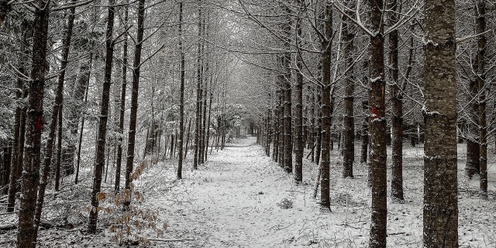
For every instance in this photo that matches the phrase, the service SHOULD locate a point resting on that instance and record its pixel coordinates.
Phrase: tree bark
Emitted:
(122, 107)
(326, 109)
(102, 127)
(396, 98)
(377, 103)
(134, 100)
(440, 209)
(348, 119)
(181, 97)
(26, 235)
(481, 81)
(299, 142)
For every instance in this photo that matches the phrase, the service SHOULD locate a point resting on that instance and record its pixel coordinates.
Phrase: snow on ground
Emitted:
(241, 198)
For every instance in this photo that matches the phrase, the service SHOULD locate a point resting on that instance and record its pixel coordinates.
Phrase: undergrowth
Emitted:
(131, 223)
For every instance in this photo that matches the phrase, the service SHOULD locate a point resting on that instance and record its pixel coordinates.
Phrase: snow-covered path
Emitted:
(234, 200)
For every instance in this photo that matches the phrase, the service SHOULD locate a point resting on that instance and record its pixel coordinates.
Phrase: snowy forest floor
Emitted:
(241, 198)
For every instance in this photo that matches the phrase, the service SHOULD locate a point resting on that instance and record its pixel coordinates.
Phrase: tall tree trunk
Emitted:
(26, 235)
(481, 81)
(348, 119)
(326, 109)
(440, 208)
(299, 142)
(199, 85)
(134, 100)
(286, 77)
(181, 97)
(378, 155)
(102, 127)
(396, 99)
(122, 107)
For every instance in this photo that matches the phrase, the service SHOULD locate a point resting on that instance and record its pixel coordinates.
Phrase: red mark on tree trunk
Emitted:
(375, 113)
(39, 123)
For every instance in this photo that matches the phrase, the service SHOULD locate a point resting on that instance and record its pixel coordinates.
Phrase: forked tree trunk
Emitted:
(26, 235)
(440, 208)
(377, 128)
(102, 126)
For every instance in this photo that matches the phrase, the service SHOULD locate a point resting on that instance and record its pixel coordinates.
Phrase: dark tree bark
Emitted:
(396, 98)
(280, 122)
(287, 104)
(59, 150)
(134, 99)
(5, 168)
(56, 116)
(299, 142)
(326, 109)
(364, 153)
(348, 119)
(318, 127)
(440, 209)
(275, 133)
(199, 85)
(181, 97)
(481, 81)
(378, 155)
(122, 107)
(102, 126)
(26, 235)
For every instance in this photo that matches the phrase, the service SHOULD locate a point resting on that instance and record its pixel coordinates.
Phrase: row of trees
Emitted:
(123, 74)
(407, 64)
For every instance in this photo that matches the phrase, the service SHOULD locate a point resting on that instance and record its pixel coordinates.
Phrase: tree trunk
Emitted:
(26, 235)
(378, 155)
(364, 153)
(481, 81)
(326, 109)
(6, 170)
(396, 99)
(181, 97)
(134, 100)
(122, 107)
(440, 208)
(59, 150)
(102, 127)
(286, 82)
(299, 142)
(348, 119)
